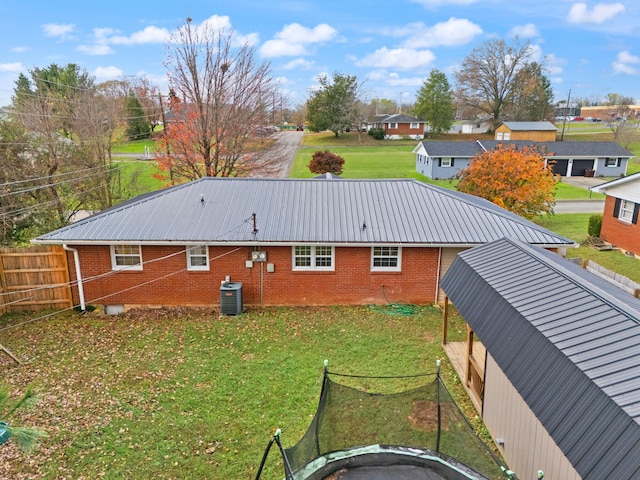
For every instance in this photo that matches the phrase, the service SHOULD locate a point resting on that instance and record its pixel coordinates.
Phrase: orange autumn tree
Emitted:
(516, 179)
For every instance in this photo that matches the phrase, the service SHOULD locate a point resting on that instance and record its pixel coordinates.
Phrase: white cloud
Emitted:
(95, 49)
(20, 49)
(554, 65)
(147, 35)
(397, 81)
(62, 30)
(528, 30)
(107, 73)
(600, 13)
(16, 67)
(298, 64)
(293, 39)
(625, 63)
(455, 31)
(399, 58)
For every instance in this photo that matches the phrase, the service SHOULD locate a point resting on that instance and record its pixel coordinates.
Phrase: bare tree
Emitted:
(225, 93)
(486, 81)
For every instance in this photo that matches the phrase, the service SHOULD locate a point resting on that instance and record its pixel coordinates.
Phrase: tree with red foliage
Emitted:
(324, 161)
(516, 179)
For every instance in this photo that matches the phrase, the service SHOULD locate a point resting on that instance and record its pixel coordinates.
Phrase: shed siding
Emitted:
(446, 259)
(528, 447)
(352, 282)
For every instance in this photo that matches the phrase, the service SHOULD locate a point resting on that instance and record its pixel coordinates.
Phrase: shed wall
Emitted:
(528, 447)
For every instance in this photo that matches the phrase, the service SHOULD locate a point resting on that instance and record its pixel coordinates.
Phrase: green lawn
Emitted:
(187, 394)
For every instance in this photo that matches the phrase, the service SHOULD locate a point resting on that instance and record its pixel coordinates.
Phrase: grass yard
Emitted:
(575, 227)
(187, 394)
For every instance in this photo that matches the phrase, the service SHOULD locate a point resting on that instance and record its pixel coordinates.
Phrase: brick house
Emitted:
(620, 217)
(312, 241)
(398, 125)
(536, 131)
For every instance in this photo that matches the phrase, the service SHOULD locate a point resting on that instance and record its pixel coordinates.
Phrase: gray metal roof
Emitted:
(568, 341)
(219, 210)
(530, 126)
(469, 148)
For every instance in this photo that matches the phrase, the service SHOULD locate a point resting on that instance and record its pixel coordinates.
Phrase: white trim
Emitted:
(446, 162)
(393, 125)
(313, 258)
(626, 213)
(191, 256)
(114, 257)
(397, 256)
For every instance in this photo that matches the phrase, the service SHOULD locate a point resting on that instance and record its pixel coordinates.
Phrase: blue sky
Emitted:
(591, 48)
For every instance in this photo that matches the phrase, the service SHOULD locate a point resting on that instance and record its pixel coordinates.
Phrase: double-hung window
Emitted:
(610, 162)
(126, 257)
(414, 125)
(626, 211)
(385, 259)
(313, 257)
(198, 257)
(393, 126)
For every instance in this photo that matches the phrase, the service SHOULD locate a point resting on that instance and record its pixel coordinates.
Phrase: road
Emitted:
(579, 206)
(287, 146)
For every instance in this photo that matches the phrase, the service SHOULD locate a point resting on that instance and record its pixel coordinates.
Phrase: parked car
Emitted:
(578, 119)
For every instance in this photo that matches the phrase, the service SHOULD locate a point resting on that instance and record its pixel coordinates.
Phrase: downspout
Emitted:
(76, 262)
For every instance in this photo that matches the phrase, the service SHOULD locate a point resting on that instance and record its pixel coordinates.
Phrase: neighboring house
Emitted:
(556, 368)
(536, 131)
(620, 218)
(441, 160)
(315, 241)
(476, 126)
(398, 126)
(610, 112)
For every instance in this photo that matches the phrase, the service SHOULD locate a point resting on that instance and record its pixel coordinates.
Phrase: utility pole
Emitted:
(564, 119)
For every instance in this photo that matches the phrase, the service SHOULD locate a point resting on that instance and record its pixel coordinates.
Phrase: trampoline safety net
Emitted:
(416, 434)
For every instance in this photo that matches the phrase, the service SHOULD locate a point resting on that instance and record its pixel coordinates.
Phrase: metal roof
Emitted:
(568, 341)
(470, 148)
(336, 211)
(530, 126)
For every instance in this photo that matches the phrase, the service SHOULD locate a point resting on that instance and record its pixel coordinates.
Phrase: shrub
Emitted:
(323, 161)
(595, 225)
(377, 133)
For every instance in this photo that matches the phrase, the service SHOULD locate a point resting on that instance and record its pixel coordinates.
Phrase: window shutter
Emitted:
(616, 208)
(634, 219)
(452, 160)
(439, 162)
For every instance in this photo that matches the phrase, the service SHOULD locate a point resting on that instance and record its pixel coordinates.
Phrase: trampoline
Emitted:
(413, 434)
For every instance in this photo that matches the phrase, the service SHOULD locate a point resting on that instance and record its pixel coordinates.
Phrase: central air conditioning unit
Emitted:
(259, 256)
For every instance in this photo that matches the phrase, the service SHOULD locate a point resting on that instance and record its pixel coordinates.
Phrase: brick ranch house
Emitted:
(318, 241)
(620, 217)
(398, 125)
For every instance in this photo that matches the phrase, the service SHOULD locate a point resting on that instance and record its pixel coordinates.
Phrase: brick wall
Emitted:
(405, 129)
(352, 282)
(620, 234)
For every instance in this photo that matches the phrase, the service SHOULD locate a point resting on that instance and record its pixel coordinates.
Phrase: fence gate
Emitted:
(34, 278)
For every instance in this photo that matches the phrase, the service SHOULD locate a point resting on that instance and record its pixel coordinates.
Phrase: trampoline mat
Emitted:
(395, 472)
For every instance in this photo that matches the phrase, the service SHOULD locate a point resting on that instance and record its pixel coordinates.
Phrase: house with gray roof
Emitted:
(312, 241)
(441, 160)
(399, 125)
(556, 366)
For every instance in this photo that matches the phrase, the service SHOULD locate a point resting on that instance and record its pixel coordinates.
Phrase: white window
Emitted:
(126, 257)
(626, 211)
(198, 257)
(507, 136)
(393, 126)
(385, 259)
(445, 162)
(499, 135)
(610, 162)
(310, 257)
(414, 125)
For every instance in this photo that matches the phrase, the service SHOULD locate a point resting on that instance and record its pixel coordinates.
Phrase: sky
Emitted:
(590, 48)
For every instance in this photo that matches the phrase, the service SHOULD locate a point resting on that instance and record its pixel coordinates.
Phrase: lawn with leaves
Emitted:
(184, 393)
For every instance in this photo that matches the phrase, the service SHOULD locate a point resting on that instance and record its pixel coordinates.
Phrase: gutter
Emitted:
(76, 261)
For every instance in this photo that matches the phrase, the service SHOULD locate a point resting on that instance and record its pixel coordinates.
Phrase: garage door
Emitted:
(579, 167)
(560, 167)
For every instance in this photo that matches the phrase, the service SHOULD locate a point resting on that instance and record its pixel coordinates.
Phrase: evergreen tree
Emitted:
(137, 125)
(434, 102)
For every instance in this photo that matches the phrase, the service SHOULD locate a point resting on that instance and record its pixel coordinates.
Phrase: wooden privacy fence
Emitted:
(34, 278)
